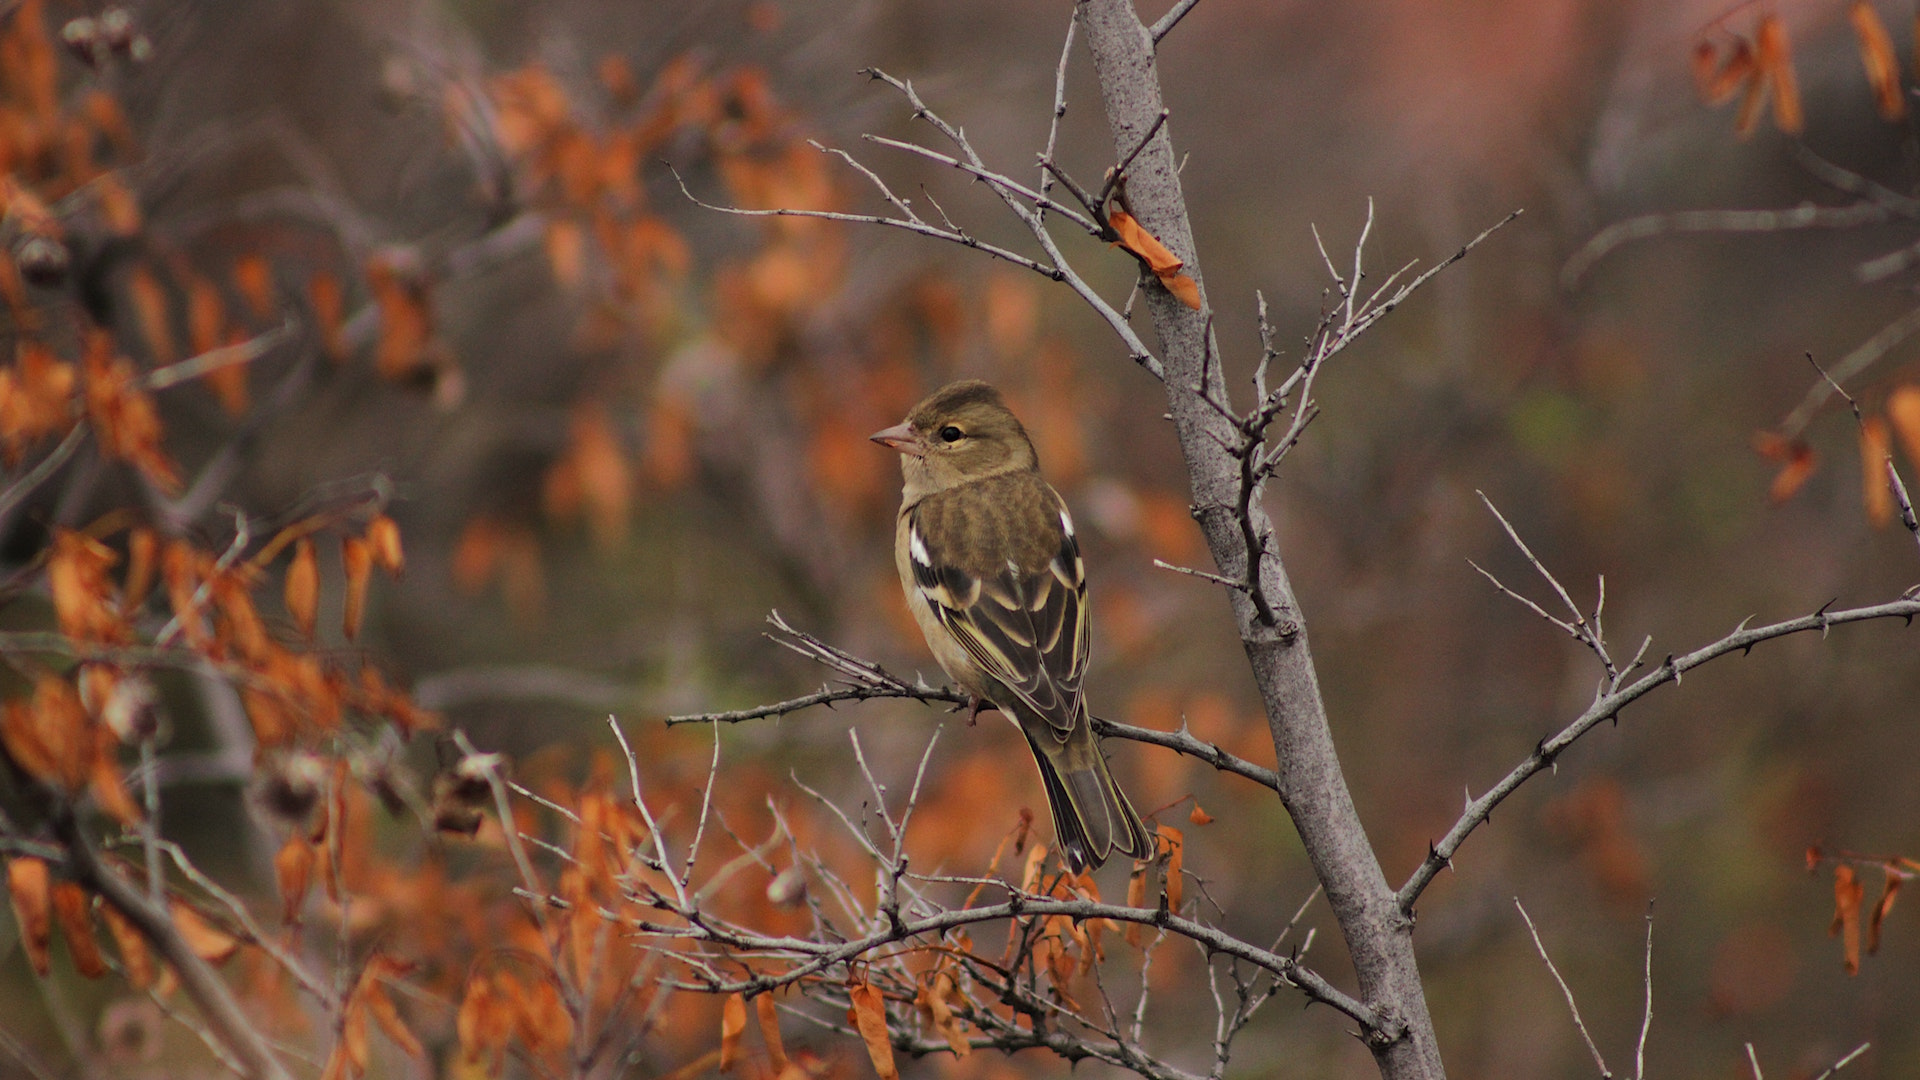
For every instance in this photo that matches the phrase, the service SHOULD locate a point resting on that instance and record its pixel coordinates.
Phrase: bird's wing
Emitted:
(1025, 627)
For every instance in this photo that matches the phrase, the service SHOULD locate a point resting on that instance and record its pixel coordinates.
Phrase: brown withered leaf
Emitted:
(293, 873)
(1775, 57)
(1162, 262)
(1848, 891)
(733, 1027)
(1903, 414)
(383, 538)
(937, 995)
(373, 991)
(302, 591)
(1796, 461)
(329, 313)
(105, 784)
(1136, 898)
(124, 418)
(769, 1015)
(1875, 446)
(206, 315)
(1175, 885)
(356, 555)
(74, 910)
(254, 279)
(1895, 877)
(207, 941)
(83, 600)
(1881, 62)
(870, 1019)
(566, 245)
(1199, 816)
(406, 323)
(30, 887)
(135, 960)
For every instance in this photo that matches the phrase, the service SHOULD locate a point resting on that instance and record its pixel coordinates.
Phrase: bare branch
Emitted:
(1804, 216)
(1171, 19)
(1607, 706)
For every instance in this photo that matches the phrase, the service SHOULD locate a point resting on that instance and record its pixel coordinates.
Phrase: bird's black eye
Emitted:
(951, 434)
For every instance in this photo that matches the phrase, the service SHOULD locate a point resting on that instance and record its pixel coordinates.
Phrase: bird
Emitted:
(993, 575)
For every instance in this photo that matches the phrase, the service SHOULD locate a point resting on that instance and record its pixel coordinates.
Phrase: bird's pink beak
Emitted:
(900, 437)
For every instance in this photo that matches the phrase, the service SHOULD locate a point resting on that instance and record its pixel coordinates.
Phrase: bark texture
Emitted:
(1312, 786)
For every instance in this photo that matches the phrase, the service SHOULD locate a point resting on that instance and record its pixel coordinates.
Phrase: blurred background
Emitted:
(620, 429)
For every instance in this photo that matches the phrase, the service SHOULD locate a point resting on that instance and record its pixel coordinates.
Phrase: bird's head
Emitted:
(962, 432)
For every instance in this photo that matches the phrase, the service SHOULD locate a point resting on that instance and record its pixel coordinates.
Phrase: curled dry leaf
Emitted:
(1158, 259)
(1795, 459)
(73, 908)
(383, 538)
(356, 555)
(1895, 876)
(1847, 893)
(1775, 56)
(30, 887)
(768, 1013)
(206, 941)
(870, 1018)
(303, 586)
(1136, 898)
(1176, 856)
(733, 1027)
(1875, 446)
(1199, 816)
(1881, 62)
(1903, 413)
(293, 873)
(135, 960)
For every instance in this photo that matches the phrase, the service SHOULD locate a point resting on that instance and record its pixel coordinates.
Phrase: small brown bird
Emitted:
(994, 577)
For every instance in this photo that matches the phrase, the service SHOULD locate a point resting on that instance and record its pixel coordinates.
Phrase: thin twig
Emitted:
(1572, 1006)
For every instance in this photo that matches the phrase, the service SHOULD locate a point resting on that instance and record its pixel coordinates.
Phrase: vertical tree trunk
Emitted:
(1378, 935)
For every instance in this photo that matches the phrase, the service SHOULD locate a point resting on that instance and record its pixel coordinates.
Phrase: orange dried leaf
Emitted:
(1795, 459)
(383, 537)
(406, 325)
(870, 1018)
(1847, 893)
(206, 315)
(939, 1011)
(357, 556)
(566, 245)
(1143, 244)
(1136, 897)
(1184, 288)
(769, 1015)
(1881, 62)
(74, 910)
(1875, 446)
(323, 296)
(303, 586)
(134, 958)
(206, 941)
(1775, 57)
(30, 886)
(143, 549)
(1175, 884)
(1903, 413)
(293, 873)
(105, 784)
(733, 1026)
(150, 306)
(1199, 816)
(124, 417)
(254, 278)
(1895, 876)
(384, 1013)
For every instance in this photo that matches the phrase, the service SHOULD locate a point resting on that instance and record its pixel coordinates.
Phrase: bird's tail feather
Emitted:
(1091, 815)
